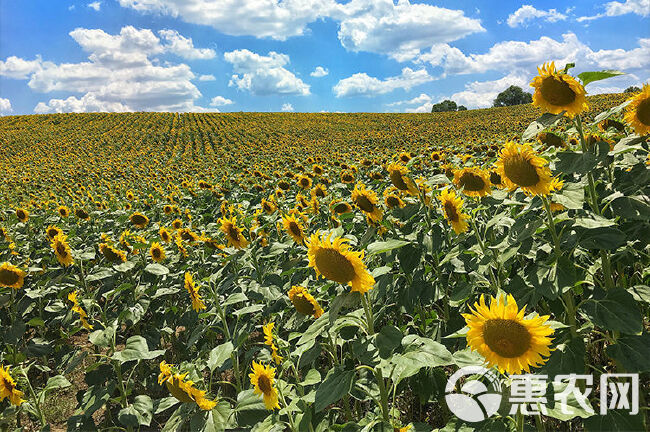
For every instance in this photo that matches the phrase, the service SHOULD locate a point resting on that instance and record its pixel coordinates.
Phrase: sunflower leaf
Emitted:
(588, 77)
(544, 121)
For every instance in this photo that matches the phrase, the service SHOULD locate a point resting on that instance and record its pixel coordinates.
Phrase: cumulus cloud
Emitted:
(614, 8)
(96, 5)
(208, 77)
(481, 94)
(121, 74)
(319, 72)
(400, 30)
(220, 101)
(184, 47)
(361, 84)
(423, 98)
(264, 75)
(287, 107)
(5, 106)
(528, 13)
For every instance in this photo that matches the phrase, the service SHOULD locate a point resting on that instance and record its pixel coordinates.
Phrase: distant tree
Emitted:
(445, 105)
(462, 108)
(513, 95)
(632, 89)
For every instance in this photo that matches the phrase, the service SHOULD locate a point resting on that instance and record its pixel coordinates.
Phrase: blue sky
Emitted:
(303, 55)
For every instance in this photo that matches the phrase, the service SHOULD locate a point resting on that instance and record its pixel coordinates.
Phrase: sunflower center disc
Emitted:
(450, 210)
(643, 112)
(334, 266)
(392, 201)
(471, 182)
(156, 253)
(233, 233)
(60, 248)
(557, 92)
(398, 180)
(264, 384)
(295, 229)
(495, 178)
(364, 204)
(520, 171)
(8, 277)
(507, 338)
(341, 208)
(139, 220)
(303, 305)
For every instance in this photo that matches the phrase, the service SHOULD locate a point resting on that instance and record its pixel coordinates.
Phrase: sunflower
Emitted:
(334, 261)
(79, 310)
(157, 252)
(437, 156)
(11, 276)
(404, 157)
(367, 202)
(398, 176)
(233, 232)
(82, 214)
(556, 91)
(474, 182)
(340, 207)
(8, 388)
(318, 191)
(64, 211)
(550, 139)
(22, 214)
(317, 169)
(189, 235)
(164, 235)
(637, 113)
(392, 198)
(268, 205)
(168, 209)
(62, 249)
(294, 228)
(519, 166)
(347, 177)
(193, 290)
(177, 224)
(111, 254)
(262, 379)
(139, 220)
(452, 207)
(506, 339)
(183, 390)
(304, 182)
(267, 329)
(53, 231)
(304, 302)
(495, 179)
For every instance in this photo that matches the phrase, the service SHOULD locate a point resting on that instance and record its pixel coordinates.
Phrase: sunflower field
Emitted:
(326, 272)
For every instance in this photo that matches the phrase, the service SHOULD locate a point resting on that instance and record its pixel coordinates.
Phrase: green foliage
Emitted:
(513, 95)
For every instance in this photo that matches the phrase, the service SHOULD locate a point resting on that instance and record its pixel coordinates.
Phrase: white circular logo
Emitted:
(476, 400)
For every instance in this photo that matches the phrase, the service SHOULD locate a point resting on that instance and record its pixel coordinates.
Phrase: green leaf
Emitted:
(219, 355)
(101, 274)
(409, 258)
(610, 112)
(568, 358)
(385, 246)
(631, 208)
(602, 238)
(615, 420)
(543, 122)
(139, 413)
(314, 329)
(570, 162)
(136, 349)
(312, 377)
(337, 384)
(156, 269)
(589, 77)
(56, 382)
(388, 338)
(572, 196)
(632, 352)
(617, 311)
(419, 352)
(164, 404)
(593, 221)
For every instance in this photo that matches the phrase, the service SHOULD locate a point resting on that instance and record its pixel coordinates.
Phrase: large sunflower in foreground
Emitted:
(334, 261)
(556, 91)
(367, 202)
(637, 113)
(507, 340)
(474, 181)
(183, 390)
(519, 166)
(294, 228)
(62, 250)
(233, 232)
(304, 302)
(452, 206)
(11, 276)
(8, 388)
(262, 379)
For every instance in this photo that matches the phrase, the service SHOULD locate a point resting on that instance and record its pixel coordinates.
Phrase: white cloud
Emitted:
(361, 84)
(423, 98)
(287, 107)
(264, 75)
(5, 106)
(637, 58)
(528, 13)
(184, 47)
(208, 77)
(18, 68)
(122, 74)
(95, 5)
(220, 101)
(400, 30)
(481, 94)
(319, 72)
(614, 8)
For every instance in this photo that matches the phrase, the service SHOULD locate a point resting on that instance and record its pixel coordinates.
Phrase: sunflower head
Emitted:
(304, 302)
(556, 91)
(139, 220)
(53, 231)
(452, 207)
(340, 207)
(507, 339)
(637, 113)
(8, 388)
(111, 254)
(157, 252)
(62, 250)
(11, 276)
(22, 214)
(233, 232)
(81, 213)
(474, 182)
(63, 211)
(334, 261)
(164, 235)
(520, 167)
(398, 177)
(262, 378)
(294, 228)
(367, 202)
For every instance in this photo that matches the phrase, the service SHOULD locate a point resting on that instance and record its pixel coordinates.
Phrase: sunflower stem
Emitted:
(37, 405)
(481, 243)
(367, 308)
(383, 394)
